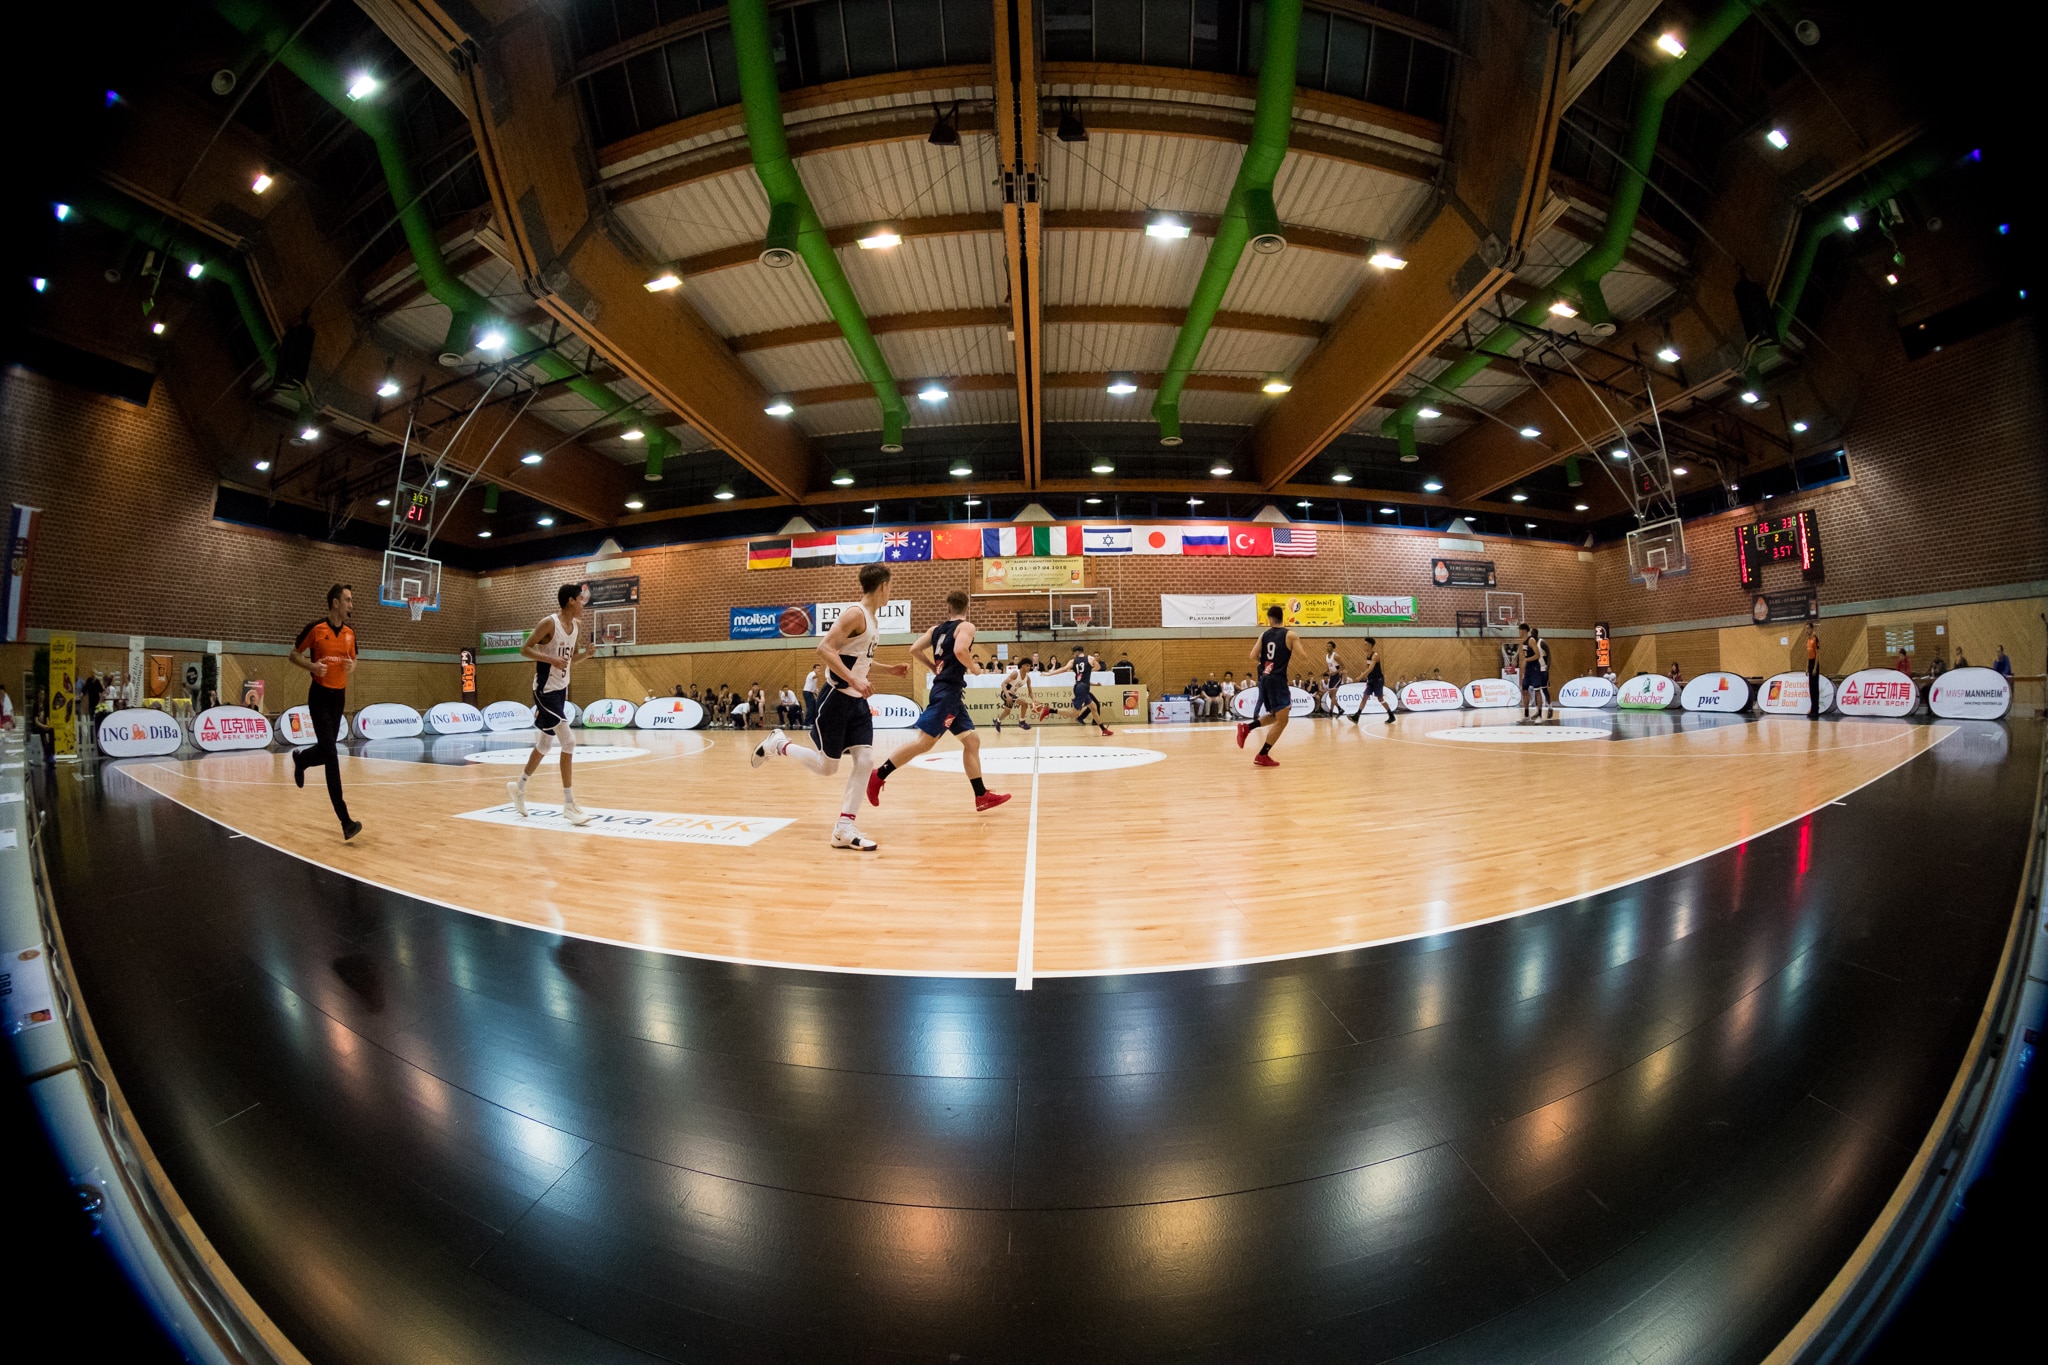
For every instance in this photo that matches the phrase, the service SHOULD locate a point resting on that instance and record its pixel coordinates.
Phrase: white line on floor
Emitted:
(1027, 927)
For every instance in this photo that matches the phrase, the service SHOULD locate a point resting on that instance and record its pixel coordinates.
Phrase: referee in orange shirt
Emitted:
(327, 650)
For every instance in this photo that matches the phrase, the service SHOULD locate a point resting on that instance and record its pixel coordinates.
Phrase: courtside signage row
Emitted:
(1189, 610)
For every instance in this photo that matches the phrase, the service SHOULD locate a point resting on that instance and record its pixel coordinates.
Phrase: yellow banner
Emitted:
(1034, 574)
(1304, 609)
(63, 688)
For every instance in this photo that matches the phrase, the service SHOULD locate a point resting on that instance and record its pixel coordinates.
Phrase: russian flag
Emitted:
(1205, 540)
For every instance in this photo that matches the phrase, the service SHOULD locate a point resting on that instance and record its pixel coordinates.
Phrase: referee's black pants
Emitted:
(1813, 688)
(325, 704)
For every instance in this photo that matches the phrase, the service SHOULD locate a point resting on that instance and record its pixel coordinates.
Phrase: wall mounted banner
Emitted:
(1432, 694)
(753, 623)
(502, 716)
(1587, 694)
(17, 571)
(894, 617)
(892, 712)
(1785, 694)
(1462, 573)
(1304, 609)
(1715, 692)
(1187, 611)
(388, 720)
(1107, 540)
(906, 547)
(768, 554)
(615, 592)
(1362, 609)
(612, 714)
(1647, 692)
(669, 713)
(1031, 575)
(1767, 608)
(139, 733)
(1877, 692)
(498, 646)
(230, 727)
(1487, 693)
(1970, 694)
(1246, 703)
(451, 718)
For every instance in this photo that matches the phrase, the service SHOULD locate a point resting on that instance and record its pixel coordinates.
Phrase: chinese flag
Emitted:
(956, 543)
(1251, 540)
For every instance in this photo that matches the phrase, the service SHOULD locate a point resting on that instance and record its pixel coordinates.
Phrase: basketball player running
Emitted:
(1010, 698)
(1087, 711)
(1375, 682)
(943, 650)
(1271, 655)
(844, 727)
(555, 644)
(326, 649)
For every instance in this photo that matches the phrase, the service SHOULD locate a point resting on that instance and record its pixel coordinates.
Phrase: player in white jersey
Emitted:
(844, 726)
(1015, 694)
(554, 646)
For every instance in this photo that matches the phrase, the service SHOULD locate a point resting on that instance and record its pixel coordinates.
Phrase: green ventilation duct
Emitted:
(471, 309)
(1580, 282)
(1905, 170)
(793, 226)
(1249, 216)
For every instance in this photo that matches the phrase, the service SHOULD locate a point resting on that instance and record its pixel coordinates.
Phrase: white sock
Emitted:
(568, 796)
(863, 763)
(810, 758)
(522, 782)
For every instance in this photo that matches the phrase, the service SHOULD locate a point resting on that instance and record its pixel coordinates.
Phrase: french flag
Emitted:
(1205, 540)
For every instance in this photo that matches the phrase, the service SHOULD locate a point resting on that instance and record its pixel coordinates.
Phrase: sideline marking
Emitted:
(1027, 928)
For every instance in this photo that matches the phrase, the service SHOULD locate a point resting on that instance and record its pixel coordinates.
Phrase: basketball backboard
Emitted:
(1657, 546)
(408, 577)
(1504, 610)
(614, 625)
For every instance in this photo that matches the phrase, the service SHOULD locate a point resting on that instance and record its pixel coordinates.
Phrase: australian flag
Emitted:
(900, 547)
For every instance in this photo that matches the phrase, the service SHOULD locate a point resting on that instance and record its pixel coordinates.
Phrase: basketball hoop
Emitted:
(1650, 577)
(417, 606)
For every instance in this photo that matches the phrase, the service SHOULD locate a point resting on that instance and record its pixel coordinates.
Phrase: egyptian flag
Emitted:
(808, 552)
(18, 570)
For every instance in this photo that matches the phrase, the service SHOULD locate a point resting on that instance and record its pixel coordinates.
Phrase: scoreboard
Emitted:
(1791, 539)
(413, 508)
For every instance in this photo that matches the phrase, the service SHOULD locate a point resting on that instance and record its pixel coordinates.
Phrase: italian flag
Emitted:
(1055, 540)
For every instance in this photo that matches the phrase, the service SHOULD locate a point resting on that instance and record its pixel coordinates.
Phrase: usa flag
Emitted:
(906, 546)
(1293, 540)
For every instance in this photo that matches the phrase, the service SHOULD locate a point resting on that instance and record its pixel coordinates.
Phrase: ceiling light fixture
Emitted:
(1618, 453)
(1671, 43)
(873, 509)
(779, 406)
(491, 339)
(1303, 503)
(261, 183)
(842, 478)
(1220, 470)
(63, 211)
(1121, 384)
(1531, 433)
(1530, 524)
(309, 433)
(974, 502)
(483, 535)
(383, 502)
(1093, 502)
(1750, 396)
(960, 469)
(1102, 465)
(1427, 414)
(195, 270)
(1194, 502)
(724, 493)
(1669, 355)
(156, 329)
(1275, 386)
(38, 283)
(880, 238)
(1432, 487)
(933, 392)
(1342, 475)
(634, 504)
(1071, 128)
(1518, 497)
(1891, 279)
(945, 131)
(388, 389)
(1852, 222)
(544, 521)
(1581, 507)
(530, 457)
(1386, 511)
(1776, 137)
(632, 434)
(665, 281)
(1563, 308)
(262, 466)
(440, 483)
(363, 86)
(1799, 426)
(1167, 228)
(1679, 471)
(1387, 260)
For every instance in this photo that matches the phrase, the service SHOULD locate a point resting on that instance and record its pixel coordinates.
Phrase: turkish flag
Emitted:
(1251, 540)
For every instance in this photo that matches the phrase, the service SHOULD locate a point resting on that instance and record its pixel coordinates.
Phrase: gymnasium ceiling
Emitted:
(1477, 141)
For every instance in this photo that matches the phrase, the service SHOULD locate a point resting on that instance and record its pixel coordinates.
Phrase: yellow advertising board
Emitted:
(1304, 608)
(1037, 574)
(63, 692)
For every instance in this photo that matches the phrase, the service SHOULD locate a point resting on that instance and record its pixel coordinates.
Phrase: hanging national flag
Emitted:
(861, 547)
(1055, 540)
(1293, 540)
(905, 547)
(812, 551)
(1251, 540)
(16, 573)
(956, 542)
(1205, 540)
(1157, 540)
(1005, 542)
(1106, 540)
(768, 554)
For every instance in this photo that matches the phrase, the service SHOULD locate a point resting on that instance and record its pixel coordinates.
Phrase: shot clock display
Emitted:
(414, 508)
(1791, 539)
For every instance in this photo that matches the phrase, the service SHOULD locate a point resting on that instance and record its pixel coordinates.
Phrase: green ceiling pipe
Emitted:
(254, 18)
(793, 222)
(1580, 283)
(1247, 217)
(177, 244)
(1905, 170)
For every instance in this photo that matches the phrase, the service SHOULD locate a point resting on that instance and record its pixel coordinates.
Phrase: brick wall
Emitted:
(128, 543)
(1948, 490)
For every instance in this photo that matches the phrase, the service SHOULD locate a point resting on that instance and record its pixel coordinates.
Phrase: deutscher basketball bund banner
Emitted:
(18, 570)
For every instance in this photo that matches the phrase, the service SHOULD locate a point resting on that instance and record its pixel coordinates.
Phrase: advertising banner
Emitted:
(753, 623)
(1970, 694)
(1768, 608)
(1188, 611)
(1877, 692)
(449, 718)
(388, 720)
(894, 616)
(1647, 692)
(295, 726)
(1246, 703)
(623, 591)
(139, 733)
(611, 713)
(1603, 647)
(1785, 694)
(1587, 694)
(1462, 573)
(1304, 609)
(669, 713)
(498, 646)
(1172, 711)
(503, 716)
(1031, 575)
(1715, 692)
(1432, 694)
(1487, 693)
(63, 697)
(1361, 609)
(892, 712)
(230, 727)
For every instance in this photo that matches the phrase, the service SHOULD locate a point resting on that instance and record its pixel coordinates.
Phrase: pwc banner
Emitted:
(668, 713)
(1970, 694)
(1877, 692)
(1715, 692)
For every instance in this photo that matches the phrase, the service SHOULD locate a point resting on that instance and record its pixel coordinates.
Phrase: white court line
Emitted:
(1027, 927)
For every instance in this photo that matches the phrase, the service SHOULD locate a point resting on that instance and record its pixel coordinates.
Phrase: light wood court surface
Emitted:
(1166, 849)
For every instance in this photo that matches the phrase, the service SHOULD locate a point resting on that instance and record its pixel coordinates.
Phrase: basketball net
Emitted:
(418, 606)
(1650, 577)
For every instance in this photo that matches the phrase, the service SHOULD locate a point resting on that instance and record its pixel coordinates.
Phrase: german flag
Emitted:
(768, 554)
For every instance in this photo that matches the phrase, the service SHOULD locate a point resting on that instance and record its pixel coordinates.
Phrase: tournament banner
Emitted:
(502, 717)
(222, 728)
(1485, 693)
(1769, 608)
(1190, 611)
(1462, 573)
(1304, 609)
(1246, 703)
(1362, 609)
(1603, 648)
(1031, 575)
(614, 592)
(17, 572)
(498, 646)
(444, 718)
(388, 720)
(63, 679)
(668, 713)
(1432, 694)
(1970, 694)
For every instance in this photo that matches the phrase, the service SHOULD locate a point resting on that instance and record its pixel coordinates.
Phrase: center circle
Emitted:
(1052, 758)
(584, 753)
(1520, 734)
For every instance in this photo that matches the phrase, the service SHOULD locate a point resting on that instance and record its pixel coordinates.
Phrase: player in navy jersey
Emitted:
(1375, 682)
(1270, 658)
(946, 652)
(1087, 710)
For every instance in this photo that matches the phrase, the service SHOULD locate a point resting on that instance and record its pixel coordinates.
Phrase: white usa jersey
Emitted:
(553, 676)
